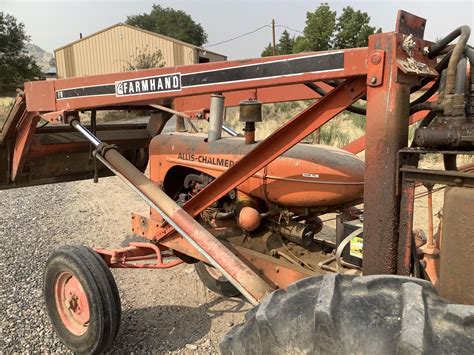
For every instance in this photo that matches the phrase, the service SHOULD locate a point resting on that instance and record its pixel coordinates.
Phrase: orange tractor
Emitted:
(249, 215)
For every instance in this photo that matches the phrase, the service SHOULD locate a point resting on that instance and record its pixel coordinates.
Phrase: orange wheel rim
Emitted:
(71, 303)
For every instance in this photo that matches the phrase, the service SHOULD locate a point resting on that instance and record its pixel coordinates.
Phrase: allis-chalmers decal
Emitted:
(162, 83)
(206, 160)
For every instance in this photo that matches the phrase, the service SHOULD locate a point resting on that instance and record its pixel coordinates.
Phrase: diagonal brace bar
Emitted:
(279, 142)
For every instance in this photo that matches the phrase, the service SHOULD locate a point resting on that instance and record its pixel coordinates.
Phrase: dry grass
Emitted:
(111, 116)
(5, 105)
(338, 132)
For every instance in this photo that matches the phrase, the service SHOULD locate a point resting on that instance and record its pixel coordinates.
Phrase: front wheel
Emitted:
(215, 281)
(82, 299)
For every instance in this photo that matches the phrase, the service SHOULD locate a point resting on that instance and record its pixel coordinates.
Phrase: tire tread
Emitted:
(336, 314)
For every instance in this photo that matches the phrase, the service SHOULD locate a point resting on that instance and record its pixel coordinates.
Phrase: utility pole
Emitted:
(273, 31)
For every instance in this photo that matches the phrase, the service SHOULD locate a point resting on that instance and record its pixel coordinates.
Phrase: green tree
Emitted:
(301, 45)
(324, 30)
(284, 46)
(319, 30)
(353, 29)
(268, 51)
(145, 59)
(286, 43)
(16, 66)
(172, 23)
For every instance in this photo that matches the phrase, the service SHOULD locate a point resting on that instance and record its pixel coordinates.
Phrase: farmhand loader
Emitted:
(249, 215)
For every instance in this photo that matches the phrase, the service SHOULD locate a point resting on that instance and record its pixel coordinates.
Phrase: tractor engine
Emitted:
(277, 207)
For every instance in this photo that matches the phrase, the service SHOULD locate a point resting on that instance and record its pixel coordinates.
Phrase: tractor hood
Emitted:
(307, 175)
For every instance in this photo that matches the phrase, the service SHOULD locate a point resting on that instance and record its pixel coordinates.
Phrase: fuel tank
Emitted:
(305, 176)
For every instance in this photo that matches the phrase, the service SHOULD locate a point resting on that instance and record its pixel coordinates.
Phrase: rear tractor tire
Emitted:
(337, 314)
(215, 281)
(82, 299)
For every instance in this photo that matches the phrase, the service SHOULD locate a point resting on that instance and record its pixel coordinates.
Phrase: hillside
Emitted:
(42, 57)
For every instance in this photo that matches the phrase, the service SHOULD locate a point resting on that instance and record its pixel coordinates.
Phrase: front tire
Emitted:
(337, 314)
(82, 299)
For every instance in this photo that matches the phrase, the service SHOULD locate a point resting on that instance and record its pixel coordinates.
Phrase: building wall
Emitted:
(110, 50)
(213, 57)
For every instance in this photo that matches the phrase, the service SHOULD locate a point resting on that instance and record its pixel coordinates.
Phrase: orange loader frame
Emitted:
(384, 74)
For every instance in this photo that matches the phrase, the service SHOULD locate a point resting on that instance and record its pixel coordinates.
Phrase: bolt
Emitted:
(373, 79)
(458, 181)
(376, 58)
(425, 51)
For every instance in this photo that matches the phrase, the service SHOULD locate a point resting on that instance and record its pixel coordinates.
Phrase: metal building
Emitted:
(109, 51)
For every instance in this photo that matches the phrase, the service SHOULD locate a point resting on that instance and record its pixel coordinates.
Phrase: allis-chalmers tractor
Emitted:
(249, 215)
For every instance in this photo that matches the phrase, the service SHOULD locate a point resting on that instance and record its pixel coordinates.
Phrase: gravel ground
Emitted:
(164, 311)
(31, 221)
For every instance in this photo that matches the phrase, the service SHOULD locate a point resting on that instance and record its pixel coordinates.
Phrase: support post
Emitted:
(388, 95)
(273, 38)
(405, 243)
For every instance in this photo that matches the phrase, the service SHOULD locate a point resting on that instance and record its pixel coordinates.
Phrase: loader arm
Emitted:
(32, 154)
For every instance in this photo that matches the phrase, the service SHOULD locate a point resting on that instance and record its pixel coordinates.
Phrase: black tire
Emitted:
(102, 295)
(219, 285)
(338, 314)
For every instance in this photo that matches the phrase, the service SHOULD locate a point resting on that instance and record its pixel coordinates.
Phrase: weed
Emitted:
(5, 106)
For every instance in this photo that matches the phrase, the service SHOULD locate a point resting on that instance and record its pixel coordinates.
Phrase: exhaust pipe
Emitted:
(216, 118)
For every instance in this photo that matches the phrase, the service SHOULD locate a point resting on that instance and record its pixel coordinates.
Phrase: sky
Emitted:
(54, 23)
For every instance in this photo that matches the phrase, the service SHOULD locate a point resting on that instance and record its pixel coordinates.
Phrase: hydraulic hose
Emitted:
(422, 106)
(463, 32)
(428, 93)
(322, 92)
(461, 78)
(442, 43)
(427, 120)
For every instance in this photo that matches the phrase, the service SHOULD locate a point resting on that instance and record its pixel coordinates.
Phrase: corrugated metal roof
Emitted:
(141, 30)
